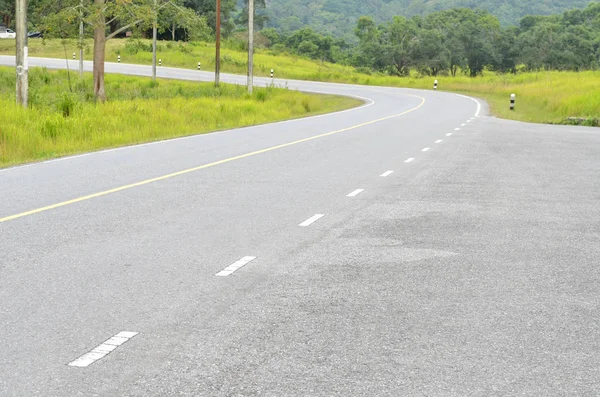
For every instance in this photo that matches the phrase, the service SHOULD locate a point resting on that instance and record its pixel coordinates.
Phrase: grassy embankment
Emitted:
(60, 122)
(545, 97)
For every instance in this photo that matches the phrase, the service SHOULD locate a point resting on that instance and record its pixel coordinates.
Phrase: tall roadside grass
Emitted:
(545, 97)
(61, 122)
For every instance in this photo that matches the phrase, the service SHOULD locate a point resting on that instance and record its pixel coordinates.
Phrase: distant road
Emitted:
(413, 246)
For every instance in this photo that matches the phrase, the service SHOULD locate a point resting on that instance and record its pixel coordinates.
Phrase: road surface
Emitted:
(413, 246)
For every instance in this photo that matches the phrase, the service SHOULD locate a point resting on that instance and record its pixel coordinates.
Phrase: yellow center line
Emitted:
(189, 170)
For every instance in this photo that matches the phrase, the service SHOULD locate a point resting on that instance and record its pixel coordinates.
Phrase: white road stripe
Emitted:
(457, 129)
(449, 134)
(102, 350)
(410, 160)
(474, 100)
(439, 141)
(356, 193)
(386, 174)
(311, 220)
(426, 149)
(468, 121)
(462, 125)
(229, 270)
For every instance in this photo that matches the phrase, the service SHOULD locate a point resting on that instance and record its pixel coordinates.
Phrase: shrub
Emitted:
(67, 104)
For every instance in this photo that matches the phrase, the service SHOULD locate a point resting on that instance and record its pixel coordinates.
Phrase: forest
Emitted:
(447, 42)
(337, 17)
(466, 40)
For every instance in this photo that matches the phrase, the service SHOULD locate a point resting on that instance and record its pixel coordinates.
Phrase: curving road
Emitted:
(410, 247)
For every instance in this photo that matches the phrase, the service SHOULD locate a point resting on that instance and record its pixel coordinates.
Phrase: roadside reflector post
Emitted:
(199, 66)
(73, 55)
(435, 85)
(119, 59)
(272, 73)
(513, 97)
(160, 62)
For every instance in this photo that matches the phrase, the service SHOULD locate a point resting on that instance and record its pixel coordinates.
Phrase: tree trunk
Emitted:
(173, 31)
(99, 50)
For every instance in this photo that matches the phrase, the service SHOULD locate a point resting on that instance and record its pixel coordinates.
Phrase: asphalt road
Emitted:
(470, 270)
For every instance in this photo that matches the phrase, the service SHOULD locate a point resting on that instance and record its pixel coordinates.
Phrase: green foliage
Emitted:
(338, 17)
(67, 104)
(133, 46)
(473, 41)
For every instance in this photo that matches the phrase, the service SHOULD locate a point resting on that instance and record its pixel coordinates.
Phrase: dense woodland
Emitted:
(458, 40)
(338, 17)
(465, 40)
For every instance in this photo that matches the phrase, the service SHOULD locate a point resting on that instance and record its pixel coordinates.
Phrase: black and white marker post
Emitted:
(119, 58)
(160, 62)
(512, 101)
(272, 73)
(435, 84)
(199, 66)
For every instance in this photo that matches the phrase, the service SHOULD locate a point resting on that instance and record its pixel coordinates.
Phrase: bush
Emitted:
(133, 46)
(67, 104)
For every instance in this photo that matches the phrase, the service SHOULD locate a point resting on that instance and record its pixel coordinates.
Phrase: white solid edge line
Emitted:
(356, 193)
(229, 270)
(410, 160)
(426, 149)
(102, 350)
(474, 100)
(439, 141)
(311, 220)
(386, 174)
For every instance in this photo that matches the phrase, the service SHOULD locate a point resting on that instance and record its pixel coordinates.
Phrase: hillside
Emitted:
(339, 16)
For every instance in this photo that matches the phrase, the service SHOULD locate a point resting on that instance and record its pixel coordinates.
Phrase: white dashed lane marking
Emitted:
(426, 149)
(439, 141)
(410, 160)
(229, 270)
(449, 134)
(387, 173)
(356, 193)
(311, 220)
(102, 350)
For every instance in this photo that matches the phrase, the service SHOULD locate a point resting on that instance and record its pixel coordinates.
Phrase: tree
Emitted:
(7, 12)
(103, 13)
(207, 9)
(399, 43)
(431, 54)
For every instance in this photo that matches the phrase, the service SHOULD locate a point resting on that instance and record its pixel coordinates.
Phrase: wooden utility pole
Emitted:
(80, 38)
(250, 45)
(22, 53)
(154, 38)
(218, 55)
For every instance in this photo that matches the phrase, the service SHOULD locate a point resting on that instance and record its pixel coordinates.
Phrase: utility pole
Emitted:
(154, 37)
(250, 45)
(80, 38)
(22, 53)
(218, 55)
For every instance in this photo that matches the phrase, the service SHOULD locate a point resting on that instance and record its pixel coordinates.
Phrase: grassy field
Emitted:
(545, 97)
(61, 122)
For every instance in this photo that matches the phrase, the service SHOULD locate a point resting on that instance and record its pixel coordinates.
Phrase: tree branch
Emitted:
(124, 28)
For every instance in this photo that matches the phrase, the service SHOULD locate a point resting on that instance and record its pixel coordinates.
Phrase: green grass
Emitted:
(60, 122)
(546, 97)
